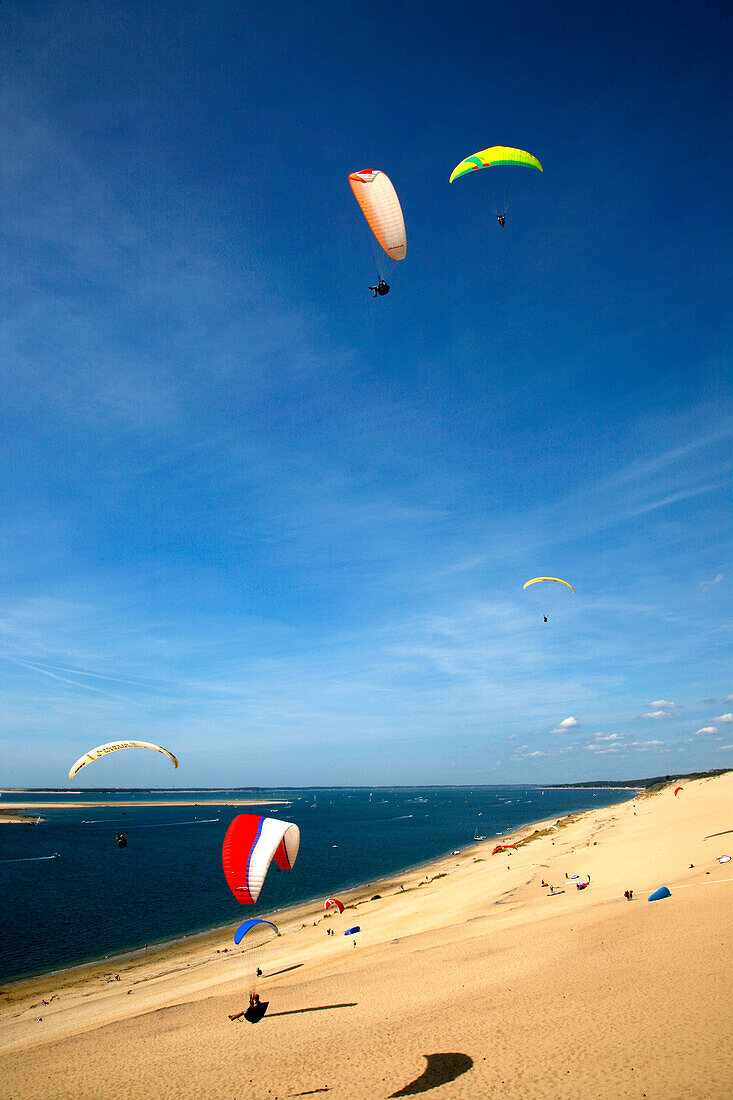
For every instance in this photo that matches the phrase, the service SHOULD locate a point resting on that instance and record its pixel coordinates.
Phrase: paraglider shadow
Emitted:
(314, 1008)
(441, 1069)
(285, 971)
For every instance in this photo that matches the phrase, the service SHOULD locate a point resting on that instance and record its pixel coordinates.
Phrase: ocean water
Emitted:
(95, 899)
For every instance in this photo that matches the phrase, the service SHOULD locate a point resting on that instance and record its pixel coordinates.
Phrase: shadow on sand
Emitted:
(285, 971)
(315, 1008)
(441, 1069)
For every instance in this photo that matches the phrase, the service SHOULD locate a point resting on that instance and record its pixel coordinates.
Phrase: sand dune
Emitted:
(470, 982)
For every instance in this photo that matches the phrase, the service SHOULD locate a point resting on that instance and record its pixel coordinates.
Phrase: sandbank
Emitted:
(112, 804)
(467, 980)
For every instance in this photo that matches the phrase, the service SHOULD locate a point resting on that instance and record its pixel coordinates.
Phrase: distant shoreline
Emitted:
(106, 804)
(17, 819)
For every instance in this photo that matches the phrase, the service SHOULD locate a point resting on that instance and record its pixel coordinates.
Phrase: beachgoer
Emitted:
(259, 972)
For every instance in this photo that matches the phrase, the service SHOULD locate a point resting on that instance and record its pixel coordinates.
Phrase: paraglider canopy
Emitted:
(351, 931)
(662, 892)
(493, 157)
(247, 926)
(677, 790)
(115, 746)
(378, 200)
(334, 901)
(250, 845)
(536, 580)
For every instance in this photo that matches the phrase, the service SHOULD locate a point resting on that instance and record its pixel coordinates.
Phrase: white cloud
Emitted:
(664, 703)
(602, 750)
(724, 718)
(726, 746)
(646, 744)
(566, 724)
(657, 714)
(707, 585)
(707, 729)
(608, 737)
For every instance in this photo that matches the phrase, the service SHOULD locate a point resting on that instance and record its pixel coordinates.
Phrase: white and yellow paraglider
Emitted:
(115, 746)
(536, 580)
(375, 193)
(555, 580)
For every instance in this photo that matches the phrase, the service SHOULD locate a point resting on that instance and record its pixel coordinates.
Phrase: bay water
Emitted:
(69, 895)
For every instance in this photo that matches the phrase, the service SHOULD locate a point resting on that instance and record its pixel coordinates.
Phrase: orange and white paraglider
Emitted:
(375, 193)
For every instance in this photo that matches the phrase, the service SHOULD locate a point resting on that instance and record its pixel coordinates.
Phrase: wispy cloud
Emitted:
(707, 729)
(707, 585)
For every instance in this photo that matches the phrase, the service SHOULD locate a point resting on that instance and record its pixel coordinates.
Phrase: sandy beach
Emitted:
(467, 980)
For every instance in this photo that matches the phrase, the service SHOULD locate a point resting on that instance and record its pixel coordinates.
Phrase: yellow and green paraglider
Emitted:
(496, 156)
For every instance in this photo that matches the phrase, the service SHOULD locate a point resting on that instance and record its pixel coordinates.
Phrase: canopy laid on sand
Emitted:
(494, 157)
(115, 746)
(351, 931)
(662, 892)
(378, 200)
(250, 845)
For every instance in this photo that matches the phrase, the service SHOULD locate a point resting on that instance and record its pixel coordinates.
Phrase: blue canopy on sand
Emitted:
(662, 892)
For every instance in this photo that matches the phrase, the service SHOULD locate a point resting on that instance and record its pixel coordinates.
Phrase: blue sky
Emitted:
(281, 528)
